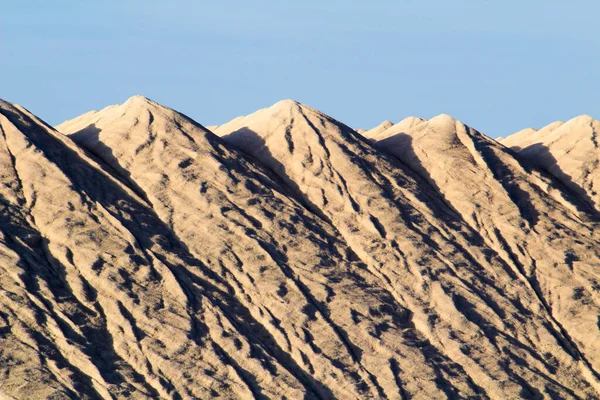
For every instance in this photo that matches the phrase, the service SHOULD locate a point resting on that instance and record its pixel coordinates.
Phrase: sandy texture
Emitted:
(568, 150)
(144, 256)
(548, 237)
(434, 262)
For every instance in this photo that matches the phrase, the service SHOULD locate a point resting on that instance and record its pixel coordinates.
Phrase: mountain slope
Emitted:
(289, 268)
(144, 256)
(112, 310)
(547, 235)
(405, 233)
(102, 299)
(568, 150)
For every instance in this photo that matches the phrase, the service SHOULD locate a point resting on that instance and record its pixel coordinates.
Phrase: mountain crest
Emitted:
(142, 256)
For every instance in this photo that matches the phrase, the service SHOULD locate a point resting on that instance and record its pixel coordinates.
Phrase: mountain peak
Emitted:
(286, 105)
(443, 118)
(138, 98)
(582, 119)
(140, 102)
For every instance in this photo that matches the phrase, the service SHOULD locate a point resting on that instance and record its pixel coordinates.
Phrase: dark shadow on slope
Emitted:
(230, 306)
(503, 174)
(249, 141)
(279, 258)
(89, 141)
(425, 189)
(573, 193)
(412, 160)
(493, 334)
(246, 138)
(37, 265)
(199, 282)
(269, 181)
(521, 198)
(540, 156)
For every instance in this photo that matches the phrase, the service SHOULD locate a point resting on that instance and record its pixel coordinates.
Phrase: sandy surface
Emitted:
(285, 255)
(568, 150)
(548, 236)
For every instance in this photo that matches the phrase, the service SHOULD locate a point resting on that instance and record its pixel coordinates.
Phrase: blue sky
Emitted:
(497, 65)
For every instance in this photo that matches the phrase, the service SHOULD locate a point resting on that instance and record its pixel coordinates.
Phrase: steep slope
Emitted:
(460, 292)
(99, 289)
(543, 232)
(338, 331)
(568, 150)
(102, 299)
(132, 312)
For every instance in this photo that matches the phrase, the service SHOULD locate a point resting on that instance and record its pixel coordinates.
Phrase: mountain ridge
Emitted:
(283, 254)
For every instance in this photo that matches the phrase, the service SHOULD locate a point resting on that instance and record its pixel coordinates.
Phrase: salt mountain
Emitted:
(286, 255)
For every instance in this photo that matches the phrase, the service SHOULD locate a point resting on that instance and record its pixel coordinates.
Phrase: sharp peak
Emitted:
(139, 100)
(287, 104)
(386, 124)
(139, 103)
(447, 119)
(134, 107)
(291, 106)
(287, 108)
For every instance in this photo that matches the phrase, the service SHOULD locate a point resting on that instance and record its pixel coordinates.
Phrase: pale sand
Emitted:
(144, 256)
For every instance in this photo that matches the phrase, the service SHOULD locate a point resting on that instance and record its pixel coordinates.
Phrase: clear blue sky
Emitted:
(497, 65)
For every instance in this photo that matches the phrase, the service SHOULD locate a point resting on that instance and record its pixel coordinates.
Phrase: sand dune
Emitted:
(287, 256)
